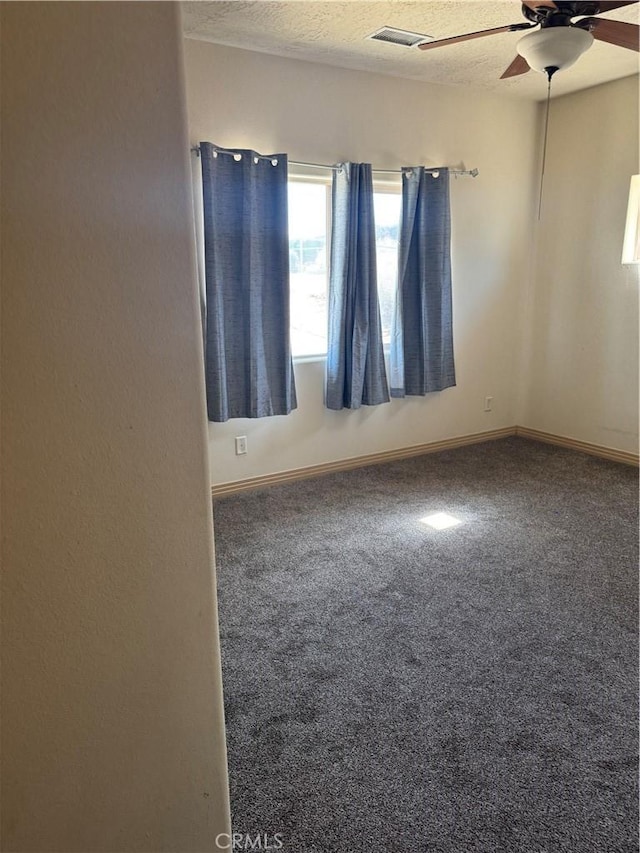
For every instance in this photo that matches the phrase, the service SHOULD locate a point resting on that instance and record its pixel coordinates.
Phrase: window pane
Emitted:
(387, 208)
(308, 263)
(308, 267)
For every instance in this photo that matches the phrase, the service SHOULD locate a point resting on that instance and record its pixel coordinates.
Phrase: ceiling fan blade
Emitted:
(603, 5)
(537, 4)
(479, 34)
(518, 66)
(619, 33)
(610, 5)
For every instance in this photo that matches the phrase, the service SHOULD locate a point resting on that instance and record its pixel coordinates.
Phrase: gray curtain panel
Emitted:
(355, 360)
(249, 372)
(421, 354)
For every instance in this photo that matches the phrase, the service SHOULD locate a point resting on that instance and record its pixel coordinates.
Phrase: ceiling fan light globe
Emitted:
(554, 47)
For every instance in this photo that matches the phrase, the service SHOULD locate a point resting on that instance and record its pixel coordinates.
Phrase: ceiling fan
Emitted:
(557, 41)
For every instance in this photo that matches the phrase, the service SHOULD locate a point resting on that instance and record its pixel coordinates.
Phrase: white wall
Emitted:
(322, 114)
(112, 732)
(582, 369)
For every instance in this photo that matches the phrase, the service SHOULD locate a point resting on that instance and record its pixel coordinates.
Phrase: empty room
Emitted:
(320, 426)
(390, 684)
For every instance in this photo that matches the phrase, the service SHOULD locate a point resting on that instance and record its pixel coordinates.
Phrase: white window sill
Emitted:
(303, 359)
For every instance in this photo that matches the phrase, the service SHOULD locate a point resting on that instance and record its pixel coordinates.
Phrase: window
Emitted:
(631, 247)
(308, 266)
(386, 208)
(309, 247)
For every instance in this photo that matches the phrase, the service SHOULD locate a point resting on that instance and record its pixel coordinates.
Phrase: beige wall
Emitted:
(112, 716)
(322, 114)
(582, 370)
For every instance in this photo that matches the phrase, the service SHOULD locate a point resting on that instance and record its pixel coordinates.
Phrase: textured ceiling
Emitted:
(334, 32)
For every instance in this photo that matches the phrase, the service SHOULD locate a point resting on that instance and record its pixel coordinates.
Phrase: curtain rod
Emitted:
(457, 172)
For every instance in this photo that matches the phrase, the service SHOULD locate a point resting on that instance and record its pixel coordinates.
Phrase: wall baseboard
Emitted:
(223, 489)
(600, 450)
(610, 453)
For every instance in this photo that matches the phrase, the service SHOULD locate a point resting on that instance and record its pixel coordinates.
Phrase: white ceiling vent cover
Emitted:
(404, 38)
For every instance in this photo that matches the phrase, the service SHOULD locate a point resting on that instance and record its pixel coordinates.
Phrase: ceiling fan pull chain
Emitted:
(550, 72)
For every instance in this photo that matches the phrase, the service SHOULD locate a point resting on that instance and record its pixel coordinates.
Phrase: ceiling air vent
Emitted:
(401, 37)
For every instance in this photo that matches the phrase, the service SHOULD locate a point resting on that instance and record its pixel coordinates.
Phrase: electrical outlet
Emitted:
(488, 404)
(241, 445)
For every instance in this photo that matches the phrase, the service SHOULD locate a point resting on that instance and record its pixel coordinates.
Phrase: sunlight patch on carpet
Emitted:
(441, 520)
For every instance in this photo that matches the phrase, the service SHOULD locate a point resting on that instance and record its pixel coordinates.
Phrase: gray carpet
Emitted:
(393, 688)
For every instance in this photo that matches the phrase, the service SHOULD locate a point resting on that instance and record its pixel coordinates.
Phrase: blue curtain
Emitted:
(249, 372)
(421, 355)
(355, 360)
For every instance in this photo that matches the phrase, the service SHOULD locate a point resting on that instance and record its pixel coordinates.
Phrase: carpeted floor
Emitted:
(394, 688)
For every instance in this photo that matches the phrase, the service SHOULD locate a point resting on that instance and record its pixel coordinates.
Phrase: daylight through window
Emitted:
(309, 246)
(308, 267)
